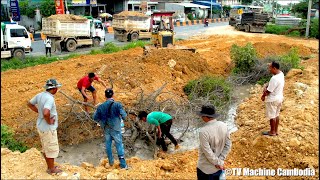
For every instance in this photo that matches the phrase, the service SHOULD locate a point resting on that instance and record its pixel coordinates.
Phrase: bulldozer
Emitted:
(162, 33)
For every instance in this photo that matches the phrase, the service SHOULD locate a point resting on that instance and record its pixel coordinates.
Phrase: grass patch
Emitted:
(29, 61)
(8, 141)
(276, 29)
(135, 44)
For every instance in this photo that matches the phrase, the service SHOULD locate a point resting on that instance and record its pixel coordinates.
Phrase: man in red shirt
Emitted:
(85, 84)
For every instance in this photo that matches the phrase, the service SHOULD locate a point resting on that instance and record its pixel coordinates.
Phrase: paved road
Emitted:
(182, 32)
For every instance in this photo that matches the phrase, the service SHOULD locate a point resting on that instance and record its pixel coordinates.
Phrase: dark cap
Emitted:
(108, 92)
(208, 110)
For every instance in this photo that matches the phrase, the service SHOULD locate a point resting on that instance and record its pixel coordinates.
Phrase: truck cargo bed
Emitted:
(54, 27)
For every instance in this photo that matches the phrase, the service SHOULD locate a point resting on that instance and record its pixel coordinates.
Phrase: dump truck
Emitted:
(15, 41)
(131, 26)
(73, 31)
(252, 22)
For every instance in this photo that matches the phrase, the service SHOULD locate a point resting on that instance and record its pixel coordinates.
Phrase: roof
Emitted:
(208, 4)
(191, 5)
(139, 2)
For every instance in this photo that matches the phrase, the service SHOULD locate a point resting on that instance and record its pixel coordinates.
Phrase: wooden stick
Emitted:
(77, 101)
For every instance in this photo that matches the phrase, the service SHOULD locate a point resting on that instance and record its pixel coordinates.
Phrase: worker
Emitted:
(85, 84)
(163, 122)
(47, 43)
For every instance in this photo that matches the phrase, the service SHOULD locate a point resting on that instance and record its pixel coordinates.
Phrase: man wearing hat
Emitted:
(109, 115)
(215, 144)
(47, 123)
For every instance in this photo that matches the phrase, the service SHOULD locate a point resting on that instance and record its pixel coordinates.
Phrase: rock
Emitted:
(86, 165)
(167, 166)
(294, 142)
(103, 162)
(300, 86)
(293, 72)
(172, 63)
(112, 176)
(298, 92)
(288, 148)
(5, 151)
(97, 175)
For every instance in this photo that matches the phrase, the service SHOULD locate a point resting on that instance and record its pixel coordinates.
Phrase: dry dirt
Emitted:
(67, 17)
(295, 147)
(131, 13)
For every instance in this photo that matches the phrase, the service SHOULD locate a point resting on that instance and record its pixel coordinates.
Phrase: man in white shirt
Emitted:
(215, 144)
(273, 97)
(47, 123)
(47, 43)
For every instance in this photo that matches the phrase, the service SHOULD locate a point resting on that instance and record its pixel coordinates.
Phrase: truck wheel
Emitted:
(71, 45)
(96, 42)
(246, 28)
(134, 36)
(19, 53)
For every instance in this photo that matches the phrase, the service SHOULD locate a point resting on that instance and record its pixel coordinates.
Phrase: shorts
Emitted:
(273, 109)
(49, 142)
(90, 88)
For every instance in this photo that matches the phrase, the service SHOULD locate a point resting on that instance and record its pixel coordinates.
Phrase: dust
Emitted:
(131, 72)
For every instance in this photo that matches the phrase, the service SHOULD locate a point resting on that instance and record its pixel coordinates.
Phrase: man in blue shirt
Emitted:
(109, 115)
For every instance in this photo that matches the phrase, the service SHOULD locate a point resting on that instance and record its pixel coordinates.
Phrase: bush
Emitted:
(260, 72)
(276, 29)
(314, 28)
(294, 34)
(214, 88)
(134, 45)
(244, 58)
(190, 16)
(110, 48)
(8, 141)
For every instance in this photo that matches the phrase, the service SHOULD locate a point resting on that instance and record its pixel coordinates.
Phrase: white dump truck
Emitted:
(73, 31)
(131, 26)
(15, 41)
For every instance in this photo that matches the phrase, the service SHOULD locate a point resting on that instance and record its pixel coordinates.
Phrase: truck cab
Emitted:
(15, 41)
(98, 30)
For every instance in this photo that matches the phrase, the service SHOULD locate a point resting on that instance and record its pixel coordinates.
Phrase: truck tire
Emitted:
(246, 28)
(134, 36)
(96, 42)
(19, 53)
(71, 45)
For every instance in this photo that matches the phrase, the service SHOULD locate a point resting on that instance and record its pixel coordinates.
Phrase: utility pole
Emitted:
(67, 12)
(308, 18)
(211, 10)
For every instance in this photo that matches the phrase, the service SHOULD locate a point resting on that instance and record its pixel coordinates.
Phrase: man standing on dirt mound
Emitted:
(214, 146)
(109, 115)
(163, 122)
(47, 123)
(273, 97)
(85, 84)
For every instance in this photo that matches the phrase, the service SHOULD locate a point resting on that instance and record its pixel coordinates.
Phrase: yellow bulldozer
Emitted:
(162, 34)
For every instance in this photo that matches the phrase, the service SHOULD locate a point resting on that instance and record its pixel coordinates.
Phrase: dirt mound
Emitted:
(278, 49)
(131, 13)
(67, 17)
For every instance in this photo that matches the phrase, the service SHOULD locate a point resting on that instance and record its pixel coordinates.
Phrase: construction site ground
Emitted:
(296, 146)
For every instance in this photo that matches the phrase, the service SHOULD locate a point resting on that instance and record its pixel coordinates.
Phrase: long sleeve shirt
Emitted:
(112, 118)
(215, 144)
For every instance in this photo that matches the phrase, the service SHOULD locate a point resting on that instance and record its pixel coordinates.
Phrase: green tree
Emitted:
(26, 9)
(47, 8)
(246, 2)
(301, 8)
